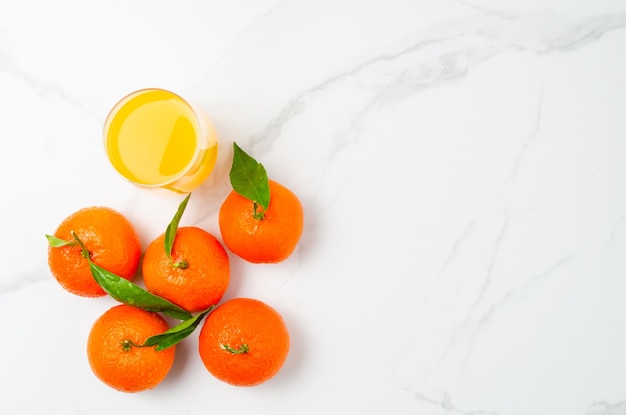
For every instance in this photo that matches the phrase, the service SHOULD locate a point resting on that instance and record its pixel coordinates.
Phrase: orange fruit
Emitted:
(114, 357)
(244, 342)
(201, 283)
(269, 240)
(111, 241)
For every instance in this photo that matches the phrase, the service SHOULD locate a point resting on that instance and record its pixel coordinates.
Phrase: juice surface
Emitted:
(153, 137)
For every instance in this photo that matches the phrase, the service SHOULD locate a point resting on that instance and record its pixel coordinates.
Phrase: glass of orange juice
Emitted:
(156, 139)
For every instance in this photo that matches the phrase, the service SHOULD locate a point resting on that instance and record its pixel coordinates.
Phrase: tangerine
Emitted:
(111, 240)
(196, 275)
(271, 239)
(113, 353)
(244, 342)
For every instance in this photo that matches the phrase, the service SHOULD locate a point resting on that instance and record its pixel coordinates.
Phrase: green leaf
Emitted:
(57, 242)
(172, 228)
(249, 178)
(177, 333)
(126, 292)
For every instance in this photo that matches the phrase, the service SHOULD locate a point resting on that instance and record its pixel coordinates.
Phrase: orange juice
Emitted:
(154, 138)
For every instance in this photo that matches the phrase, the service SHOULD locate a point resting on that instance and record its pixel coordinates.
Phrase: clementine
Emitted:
(197, 274)
(111, 240)
(114, 354)
(244, 342)
(270, 239)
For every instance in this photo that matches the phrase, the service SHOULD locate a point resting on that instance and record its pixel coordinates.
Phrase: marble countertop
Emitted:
(462, 166)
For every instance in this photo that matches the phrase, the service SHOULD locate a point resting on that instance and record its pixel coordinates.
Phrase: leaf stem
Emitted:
(241, 350)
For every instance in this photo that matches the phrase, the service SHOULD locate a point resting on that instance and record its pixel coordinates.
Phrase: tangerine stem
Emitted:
(85, 252)
(129, 344)
(256, 214)
(242, 349)
(182, 264)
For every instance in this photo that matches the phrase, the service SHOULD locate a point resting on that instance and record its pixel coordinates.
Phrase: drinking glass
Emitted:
(156, 139)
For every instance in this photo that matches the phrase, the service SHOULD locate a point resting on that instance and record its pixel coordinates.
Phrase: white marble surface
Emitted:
(463, 170)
